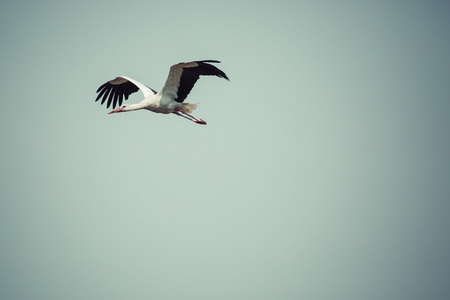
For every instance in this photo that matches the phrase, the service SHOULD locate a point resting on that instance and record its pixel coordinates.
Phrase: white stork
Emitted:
(179, 83)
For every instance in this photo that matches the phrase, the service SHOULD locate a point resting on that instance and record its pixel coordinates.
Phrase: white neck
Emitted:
(143, 104)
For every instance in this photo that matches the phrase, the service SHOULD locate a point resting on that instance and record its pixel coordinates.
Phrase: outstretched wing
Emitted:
(183, 76)
(115, 90)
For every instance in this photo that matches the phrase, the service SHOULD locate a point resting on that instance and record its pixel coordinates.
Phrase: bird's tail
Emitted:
(189, 107)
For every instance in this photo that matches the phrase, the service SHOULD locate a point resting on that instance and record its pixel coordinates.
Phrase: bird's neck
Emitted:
(147, 103)
(137, 106)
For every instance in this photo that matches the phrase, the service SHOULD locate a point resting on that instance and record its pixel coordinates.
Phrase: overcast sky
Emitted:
(323, 172)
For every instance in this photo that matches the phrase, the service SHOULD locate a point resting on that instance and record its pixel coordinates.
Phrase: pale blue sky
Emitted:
(323, 172)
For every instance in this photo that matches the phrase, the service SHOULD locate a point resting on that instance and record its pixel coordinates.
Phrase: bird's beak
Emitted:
(119, 109)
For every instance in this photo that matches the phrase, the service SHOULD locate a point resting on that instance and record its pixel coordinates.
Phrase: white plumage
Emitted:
(179, 83)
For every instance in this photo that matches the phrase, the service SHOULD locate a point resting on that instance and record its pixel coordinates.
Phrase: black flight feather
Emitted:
(115, 93)
(190, 76)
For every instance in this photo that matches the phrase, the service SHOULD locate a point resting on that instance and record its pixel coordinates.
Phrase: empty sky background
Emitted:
(323, 172)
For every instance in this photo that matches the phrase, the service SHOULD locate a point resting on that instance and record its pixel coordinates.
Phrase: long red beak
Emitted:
(119, 109)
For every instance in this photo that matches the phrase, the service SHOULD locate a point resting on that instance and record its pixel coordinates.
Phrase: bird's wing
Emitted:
(183, 76)
(115, 90)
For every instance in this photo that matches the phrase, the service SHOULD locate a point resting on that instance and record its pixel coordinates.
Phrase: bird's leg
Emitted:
(189, 117)
(178, 114)
(198, 121)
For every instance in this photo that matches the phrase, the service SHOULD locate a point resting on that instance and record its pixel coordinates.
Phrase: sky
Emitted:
(323, 172)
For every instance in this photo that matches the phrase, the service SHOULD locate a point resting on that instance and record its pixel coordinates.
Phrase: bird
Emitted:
(182, 78)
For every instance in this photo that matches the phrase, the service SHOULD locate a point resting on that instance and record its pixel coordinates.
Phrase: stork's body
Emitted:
(179, 83)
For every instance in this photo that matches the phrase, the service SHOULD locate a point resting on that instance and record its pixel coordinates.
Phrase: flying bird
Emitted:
(169, 99)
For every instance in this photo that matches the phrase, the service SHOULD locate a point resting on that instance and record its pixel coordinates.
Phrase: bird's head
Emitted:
(121, 108)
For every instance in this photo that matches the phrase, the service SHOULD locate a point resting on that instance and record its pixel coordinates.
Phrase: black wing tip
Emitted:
(113, 93)
(102, 86)
(216, 71)
(202, 61)
(222, 75)
(209, 61)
